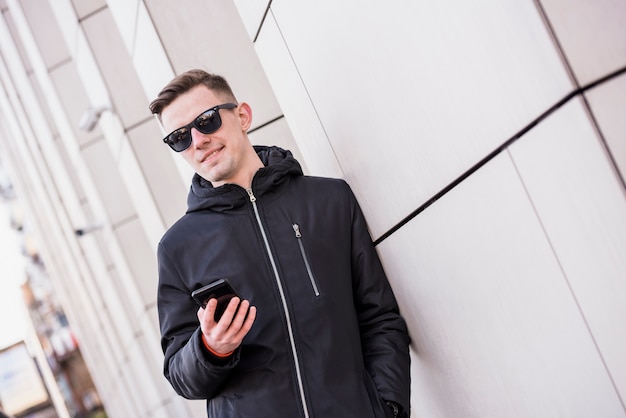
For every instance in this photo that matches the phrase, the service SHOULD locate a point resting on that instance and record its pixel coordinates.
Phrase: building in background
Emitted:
(59, 343)
(483, 140)
(22, 389)
(44, 375)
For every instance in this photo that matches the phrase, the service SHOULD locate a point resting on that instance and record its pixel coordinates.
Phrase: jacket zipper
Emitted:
(284, 302)
(296, 229)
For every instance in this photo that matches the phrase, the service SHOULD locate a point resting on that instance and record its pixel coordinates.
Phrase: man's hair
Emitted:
(185, 82)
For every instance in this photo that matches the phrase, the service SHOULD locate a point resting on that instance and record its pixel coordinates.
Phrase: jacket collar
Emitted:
(279, 164)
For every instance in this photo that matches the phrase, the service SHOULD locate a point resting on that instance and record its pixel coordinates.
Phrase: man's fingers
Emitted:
(229, 313)
(242, 310)
(249, 320)
(235, 323)
(206, 315)
(235, 315)
(211, 307)
(243, 323)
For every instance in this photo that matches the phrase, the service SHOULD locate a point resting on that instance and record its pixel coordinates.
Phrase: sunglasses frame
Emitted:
(195, 123)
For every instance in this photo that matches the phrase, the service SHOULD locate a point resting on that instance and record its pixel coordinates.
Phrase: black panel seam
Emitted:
(258, 31)
(577, 92)
(263, 125)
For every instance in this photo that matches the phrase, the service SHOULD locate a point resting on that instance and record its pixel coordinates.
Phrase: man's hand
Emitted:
(225, 336)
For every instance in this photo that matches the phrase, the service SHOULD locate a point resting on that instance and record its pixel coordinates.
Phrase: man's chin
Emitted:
(214, 179)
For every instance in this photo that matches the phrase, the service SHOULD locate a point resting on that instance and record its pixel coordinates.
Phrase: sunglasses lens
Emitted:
(180, 139)
(208, 122)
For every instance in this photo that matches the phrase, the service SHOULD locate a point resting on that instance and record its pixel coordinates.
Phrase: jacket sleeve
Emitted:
(384, 335)
(191, 370)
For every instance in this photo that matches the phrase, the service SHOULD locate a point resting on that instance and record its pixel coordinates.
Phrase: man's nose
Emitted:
(198, 139)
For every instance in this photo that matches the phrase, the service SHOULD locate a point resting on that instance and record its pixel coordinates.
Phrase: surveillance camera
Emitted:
(87, 229)
(88, 121)
(90, 118)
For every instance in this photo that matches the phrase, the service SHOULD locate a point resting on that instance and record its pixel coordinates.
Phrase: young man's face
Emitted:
(219, 157)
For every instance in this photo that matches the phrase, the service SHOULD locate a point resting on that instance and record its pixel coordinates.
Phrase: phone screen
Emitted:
(220, 290)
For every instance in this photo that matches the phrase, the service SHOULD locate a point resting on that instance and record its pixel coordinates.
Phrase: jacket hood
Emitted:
(279, 164)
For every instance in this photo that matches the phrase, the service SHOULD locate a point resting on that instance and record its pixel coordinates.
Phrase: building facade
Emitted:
(58, 343)
(484, 141)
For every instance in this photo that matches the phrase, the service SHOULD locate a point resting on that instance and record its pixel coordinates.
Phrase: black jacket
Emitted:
(328, 337)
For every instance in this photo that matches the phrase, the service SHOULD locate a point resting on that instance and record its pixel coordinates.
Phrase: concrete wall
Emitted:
(484, 141)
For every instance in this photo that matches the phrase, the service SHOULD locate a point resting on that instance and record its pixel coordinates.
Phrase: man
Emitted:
(317, 332)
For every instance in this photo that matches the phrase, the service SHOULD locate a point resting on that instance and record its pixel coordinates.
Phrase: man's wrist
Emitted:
(213, 352)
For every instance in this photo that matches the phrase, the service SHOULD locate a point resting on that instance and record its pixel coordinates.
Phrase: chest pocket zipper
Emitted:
(296, 229)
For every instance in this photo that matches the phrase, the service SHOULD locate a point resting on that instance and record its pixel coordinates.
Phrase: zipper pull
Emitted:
(251, 195)
(296, 229)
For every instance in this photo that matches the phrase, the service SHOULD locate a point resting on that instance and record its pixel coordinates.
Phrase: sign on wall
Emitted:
(21, 386)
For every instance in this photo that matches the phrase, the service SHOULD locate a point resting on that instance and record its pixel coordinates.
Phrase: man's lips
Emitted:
(210, 155)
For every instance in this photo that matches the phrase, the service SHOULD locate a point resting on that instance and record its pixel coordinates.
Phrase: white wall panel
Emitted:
(13, 35)
(110, 355)
(140, 259)
(591, 34)
(45, 110)
(161, 386)
(173, 405)
(90, 245)
(127, 394)
(149, 58)
(151, 344)
(111, 336)
(125, 14)
(115, 66)
(277, 133)
(146, 188)
(153, 70)
(86, 7)
(417, 92)
(299, 110)
(151, 390)
(158, 172)
(116, 330)
(64, 13)
(117, 316)
(50, 43)
(582, 207)
(608, 104)
(178, 407)
(495, 329)
(108, 182)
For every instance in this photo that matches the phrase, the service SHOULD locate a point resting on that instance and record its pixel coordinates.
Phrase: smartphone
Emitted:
(221, 290)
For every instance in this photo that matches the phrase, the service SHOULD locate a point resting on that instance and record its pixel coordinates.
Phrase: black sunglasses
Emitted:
(206, 122)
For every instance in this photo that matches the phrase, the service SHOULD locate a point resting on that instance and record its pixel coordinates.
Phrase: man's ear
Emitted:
(245, 115)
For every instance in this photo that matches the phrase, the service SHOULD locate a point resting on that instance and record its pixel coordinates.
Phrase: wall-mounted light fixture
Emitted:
(87, 229)
(91, 117)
